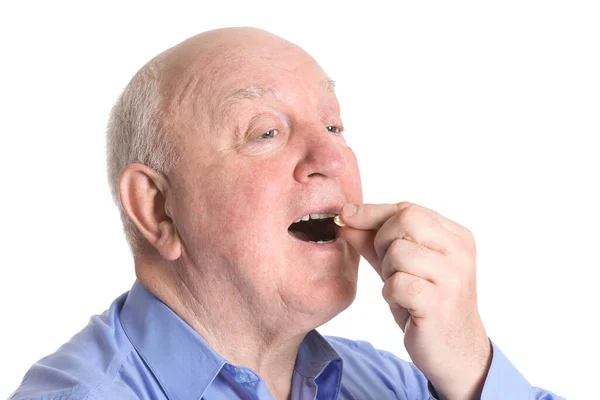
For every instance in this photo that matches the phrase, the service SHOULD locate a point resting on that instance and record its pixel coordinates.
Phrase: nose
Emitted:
(322, 156)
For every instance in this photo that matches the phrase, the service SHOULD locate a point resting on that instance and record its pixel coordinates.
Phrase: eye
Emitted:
(333, 129)
(269, 134)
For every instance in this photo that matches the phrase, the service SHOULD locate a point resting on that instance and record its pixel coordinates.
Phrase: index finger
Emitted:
(370, 216)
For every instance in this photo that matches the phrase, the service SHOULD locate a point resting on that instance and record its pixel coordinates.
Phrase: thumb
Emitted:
(363, 241)
(370, 216)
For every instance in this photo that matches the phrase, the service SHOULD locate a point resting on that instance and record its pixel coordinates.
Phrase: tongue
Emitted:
(300, 235)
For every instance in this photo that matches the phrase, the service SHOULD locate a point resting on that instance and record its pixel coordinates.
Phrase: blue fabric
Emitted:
(140, 349)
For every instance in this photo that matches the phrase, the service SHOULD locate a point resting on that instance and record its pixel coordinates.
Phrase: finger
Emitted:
(369, 216)
(410, 292)
(413, 258)
(452, 226)
(363, 242)
(418, 224)
(401, 315)
(461, 231)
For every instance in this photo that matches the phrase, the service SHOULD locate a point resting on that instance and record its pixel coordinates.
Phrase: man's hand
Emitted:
(427, 263)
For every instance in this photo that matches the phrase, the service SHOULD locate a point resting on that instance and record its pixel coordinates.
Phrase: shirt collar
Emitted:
(181, 360)
(314, 355)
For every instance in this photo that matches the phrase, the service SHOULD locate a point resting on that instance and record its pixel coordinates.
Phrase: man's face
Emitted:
(262, 148)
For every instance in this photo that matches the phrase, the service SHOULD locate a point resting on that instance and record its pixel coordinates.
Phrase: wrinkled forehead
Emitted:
(243, 91)
(209, 83)
(290, 77)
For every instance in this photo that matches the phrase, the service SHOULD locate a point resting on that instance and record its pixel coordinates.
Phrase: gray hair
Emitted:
(137, 133)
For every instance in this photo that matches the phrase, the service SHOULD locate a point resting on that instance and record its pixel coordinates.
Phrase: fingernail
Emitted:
(349, 210)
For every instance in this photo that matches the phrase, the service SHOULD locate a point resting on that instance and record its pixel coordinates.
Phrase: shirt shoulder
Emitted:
(84, 367)
(364, 366)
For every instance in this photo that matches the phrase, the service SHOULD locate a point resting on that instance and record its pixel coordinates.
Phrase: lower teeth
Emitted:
(321, 241)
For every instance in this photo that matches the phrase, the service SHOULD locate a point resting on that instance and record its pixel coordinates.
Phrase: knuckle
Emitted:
(469, 234)
(407, 250)
(403, 204)
(434, 221)
(407, 214)
(456, 242)
(388, 268)
(420, 251)
(397, 248)
(470, 241)
(388, 289)
(464, 243)
(397, 219)
(415, 287)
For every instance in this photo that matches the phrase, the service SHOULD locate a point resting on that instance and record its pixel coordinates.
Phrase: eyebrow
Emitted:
(251, 92)
(245, 93)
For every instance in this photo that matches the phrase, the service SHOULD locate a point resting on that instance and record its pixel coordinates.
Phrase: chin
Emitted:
(322, 299)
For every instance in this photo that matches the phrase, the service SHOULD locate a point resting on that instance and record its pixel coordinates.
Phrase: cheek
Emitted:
(351, 182)
(259, 187)
(230, 221)
(251, 210)
(247, 200)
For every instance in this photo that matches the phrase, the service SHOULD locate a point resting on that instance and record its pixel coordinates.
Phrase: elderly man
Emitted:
(227, 158)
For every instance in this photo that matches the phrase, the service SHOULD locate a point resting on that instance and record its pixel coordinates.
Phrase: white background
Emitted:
(489, 113)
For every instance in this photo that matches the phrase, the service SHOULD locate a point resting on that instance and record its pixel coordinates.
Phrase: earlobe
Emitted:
(168, 243)
(143, 194)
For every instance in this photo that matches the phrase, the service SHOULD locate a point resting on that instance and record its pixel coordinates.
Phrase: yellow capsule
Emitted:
(338, 221)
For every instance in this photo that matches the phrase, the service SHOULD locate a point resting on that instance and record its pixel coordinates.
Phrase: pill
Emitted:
(338, 221)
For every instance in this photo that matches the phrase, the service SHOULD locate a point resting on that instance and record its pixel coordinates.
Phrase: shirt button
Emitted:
(240, 378)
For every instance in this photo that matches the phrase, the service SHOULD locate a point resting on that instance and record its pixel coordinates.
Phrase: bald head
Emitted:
(199, 75)
(220, 47)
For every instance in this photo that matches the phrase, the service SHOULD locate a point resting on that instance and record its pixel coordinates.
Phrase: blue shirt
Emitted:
(140, 349)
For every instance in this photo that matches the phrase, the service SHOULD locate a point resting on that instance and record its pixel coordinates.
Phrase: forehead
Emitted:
(212, 81)
(257, 61)
(230, 99)
(285, 74)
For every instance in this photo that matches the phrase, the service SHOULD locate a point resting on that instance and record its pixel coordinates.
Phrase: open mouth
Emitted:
(315, 228)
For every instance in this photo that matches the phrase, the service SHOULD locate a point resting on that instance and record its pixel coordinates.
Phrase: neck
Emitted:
(247, 336)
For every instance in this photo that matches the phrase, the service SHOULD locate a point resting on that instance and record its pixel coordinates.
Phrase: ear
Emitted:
(143, 194)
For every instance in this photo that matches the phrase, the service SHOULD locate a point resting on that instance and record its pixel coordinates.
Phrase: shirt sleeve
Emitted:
(504, 381)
